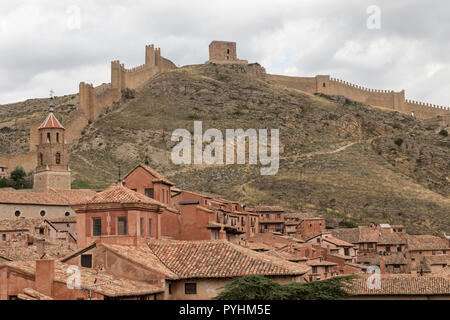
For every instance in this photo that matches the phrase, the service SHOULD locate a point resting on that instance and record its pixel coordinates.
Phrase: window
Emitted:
(86, 260)
(324, 85)
(58, 158)
(141, 221)
(388, 249)
(48, 137)
(346, 251)
(268, 216)
(399, 248)
(370, 245)
(149, 192)
(228, 51)
(170, 288)
(122, 226)
(42, 213)
(150, 227)
(278, 227)
(190, 288)
(278, 216)
(96, 227)
(4, 237)
(57, 137)
(41, 230)
(67, 214)
(41, 159)
(314, 269)
(163, 196)
(17, 213)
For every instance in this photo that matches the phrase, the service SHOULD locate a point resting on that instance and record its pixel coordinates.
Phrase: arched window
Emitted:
(58, 158)
(17, 213)
(42, 213)
(41, 159)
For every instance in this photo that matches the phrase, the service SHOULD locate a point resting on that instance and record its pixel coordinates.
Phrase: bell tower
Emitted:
(52, 169)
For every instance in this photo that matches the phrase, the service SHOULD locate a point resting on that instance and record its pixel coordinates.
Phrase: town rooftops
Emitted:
(396, 285)
(158, 177)
(118, 195)
(51, 122)
(317, 263)
(338, 242)
(219, 259)
(49, 199)
(391, 239)
(426, 242)
(95, 280)
(350, 235)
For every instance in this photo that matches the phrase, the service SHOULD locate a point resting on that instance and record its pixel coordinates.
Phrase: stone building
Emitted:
(224, 52)
(52, 169)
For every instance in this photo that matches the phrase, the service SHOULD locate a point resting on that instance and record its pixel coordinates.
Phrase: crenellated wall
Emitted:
(93, 100)
(381, 98)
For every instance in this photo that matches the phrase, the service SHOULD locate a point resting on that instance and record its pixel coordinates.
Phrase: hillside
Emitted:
(349, 161)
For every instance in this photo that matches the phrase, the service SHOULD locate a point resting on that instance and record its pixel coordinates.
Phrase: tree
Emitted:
(261, 288)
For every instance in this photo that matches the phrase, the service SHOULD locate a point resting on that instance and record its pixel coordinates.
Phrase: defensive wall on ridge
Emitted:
(93, 100)
(381, 98)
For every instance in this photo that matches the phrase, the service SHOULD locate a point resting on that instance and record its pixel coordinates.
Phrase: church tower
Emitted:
(52, 169)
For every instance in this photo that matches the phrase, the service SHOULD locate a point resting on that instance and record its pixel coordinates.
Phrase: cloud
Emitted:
(57, 44)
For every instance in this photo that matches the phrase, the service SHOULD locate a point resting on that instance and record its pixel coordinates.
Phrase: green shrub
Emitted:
(398, 141)
(443, 133)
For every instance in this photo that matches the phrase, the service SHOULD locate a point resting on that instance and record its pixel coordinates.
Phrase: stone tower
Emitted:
(52, 170)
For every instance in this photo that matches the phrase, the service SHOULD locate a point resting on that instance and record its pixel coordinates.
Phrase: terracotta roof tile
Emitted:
(14, 197)
(95, 280)
(51, 122)
(218, 259)
(426, 242)
(403, 285)
(350, 235)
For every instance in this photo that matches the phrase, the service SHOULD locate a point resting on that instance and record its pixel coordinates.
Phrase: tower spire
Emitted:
(52, 104)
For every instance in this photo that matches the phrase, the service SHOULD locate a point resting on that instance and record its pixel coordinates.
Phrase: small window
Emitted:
(190, 288)
(122, 226)
(58, 158)
(96, 227)
(41, 159)
(314, 269)
(149, 192)
(4, 237)
(57, 137)
(86, 260)
(42, 213)
(48, 137)
(170, 288)
(324, 85)
(150, 227)
(228, 51)
(141, 221)
(67, 214)
(17, 213)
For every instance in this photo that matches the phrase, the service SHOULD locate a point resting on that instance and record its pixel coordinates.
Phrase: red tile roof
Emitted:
(75, 196)
(15, 197)
(153, 172)
(402, 285)
(219, 259)
(118, 195)
(426, 242)
(95, 280)
(338, 242)
(51, 122)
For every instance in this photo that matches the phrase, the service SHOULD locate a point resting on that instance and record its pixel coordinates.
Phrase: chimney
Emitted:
(382, 266)
(40, 247)
(45, 274)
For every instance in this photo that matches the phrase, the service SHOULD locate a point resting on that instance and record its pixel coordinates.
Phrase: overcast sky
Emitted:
(57, 44)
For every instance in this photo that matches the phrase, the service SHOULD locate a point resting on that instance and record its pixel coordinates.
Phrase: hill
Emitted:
(351, 162)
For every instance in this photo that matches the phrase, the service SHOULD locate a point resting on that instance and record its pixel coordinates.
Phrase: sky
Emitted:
(392, 45)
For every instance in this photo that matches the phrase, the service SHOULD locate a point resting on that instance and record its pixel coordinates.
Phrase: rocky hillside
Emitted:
(351, 162)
